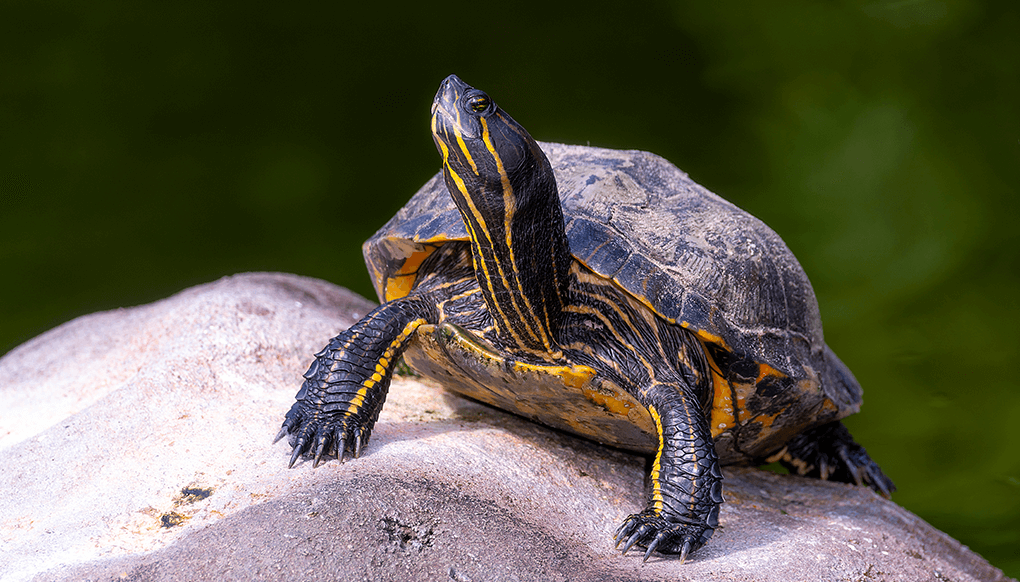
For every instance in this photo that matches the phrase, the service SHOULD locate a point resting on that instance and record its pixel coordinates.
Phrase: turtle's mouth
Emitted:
(451, 89)
(441, 129)
(445, 101)
(446, 131)
(449, 120)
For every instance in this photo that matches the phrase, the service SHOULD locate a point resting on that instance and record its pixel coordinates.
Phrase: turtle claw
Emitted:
(684, 551)
(294, 455)
(320, 436)
(863, 470)
(654, 533)
(319, 452)
(341, 445)
(284, 431)
(829, 452)
(853, 468)
(618, 536)
(631, 541)
(651, 547)
(357, 443)
(879, 480)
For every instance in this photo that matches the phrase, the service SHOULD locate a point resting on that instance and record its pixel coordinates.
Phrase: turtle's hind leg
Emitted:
(686, 480)
(829, 452)
(346, 385)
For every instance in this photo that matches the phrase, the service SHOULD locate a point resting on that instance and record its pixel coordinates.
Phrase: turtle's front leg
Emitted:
(686, 480)
(346, 385)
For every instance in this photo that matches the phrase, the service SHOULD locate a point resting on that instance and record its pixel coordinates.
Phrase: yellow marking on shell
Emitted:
(400, 283)
(742, 391)
(722, 416)
(657, 501)
(722, 405)
(614, 405)
(397, 287)
(829, 406)
(765, 421)
(573, 376)
(765, 370)
(705, 336)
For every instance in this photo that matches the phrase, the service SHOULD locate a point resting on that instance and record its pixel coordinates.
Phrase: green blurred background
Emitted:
(146, 147)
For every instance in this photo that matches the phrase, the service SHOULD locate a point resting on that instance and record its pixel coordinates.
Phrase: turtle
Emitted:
(603, 293)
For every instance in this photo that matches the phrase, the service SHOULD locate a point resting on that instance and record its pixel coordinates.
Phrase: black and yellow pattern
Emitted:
(507, 219)
(345, 387)
(602, 293)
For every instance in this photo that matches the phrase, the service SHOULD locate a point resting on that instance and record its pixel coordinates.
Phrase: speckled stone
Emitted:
(137, 445)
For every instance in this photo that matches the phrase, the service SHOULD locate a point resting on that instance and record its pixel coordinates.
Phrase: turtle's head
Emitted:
(505, 189)
(483, 148)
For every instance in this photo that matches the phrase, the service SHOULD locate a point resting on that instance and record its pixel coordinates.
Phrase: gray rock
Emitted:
(136, 445)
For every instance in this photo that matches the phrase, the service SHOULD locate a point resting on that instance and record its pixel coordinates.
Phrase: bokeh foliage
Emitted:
(147, 147)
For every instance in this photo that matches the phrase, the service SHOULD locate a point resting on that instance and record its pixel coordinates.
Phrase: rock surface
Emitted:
(136, 445)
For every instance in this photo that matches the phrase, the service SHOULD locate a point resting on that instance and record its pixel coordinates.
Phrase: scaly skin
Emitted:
(686, 480)
(346, 385)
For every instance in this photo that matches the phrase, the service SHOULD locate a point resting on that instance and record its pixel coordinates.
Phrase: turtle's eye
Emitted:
(478, 103)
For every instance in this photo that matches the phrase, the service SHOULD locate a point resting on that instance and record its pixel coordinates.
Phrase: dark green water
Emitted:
(145, 149)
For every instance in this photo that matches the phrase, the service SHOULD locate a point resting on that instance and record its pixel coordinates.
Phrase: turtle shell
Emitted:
(689, 255)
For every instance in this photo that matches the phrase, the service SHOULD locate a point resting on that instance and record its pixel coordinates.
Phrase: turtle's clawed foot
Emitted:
(863, 470)
(654, 533)
(316, 434)
(829, 452)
